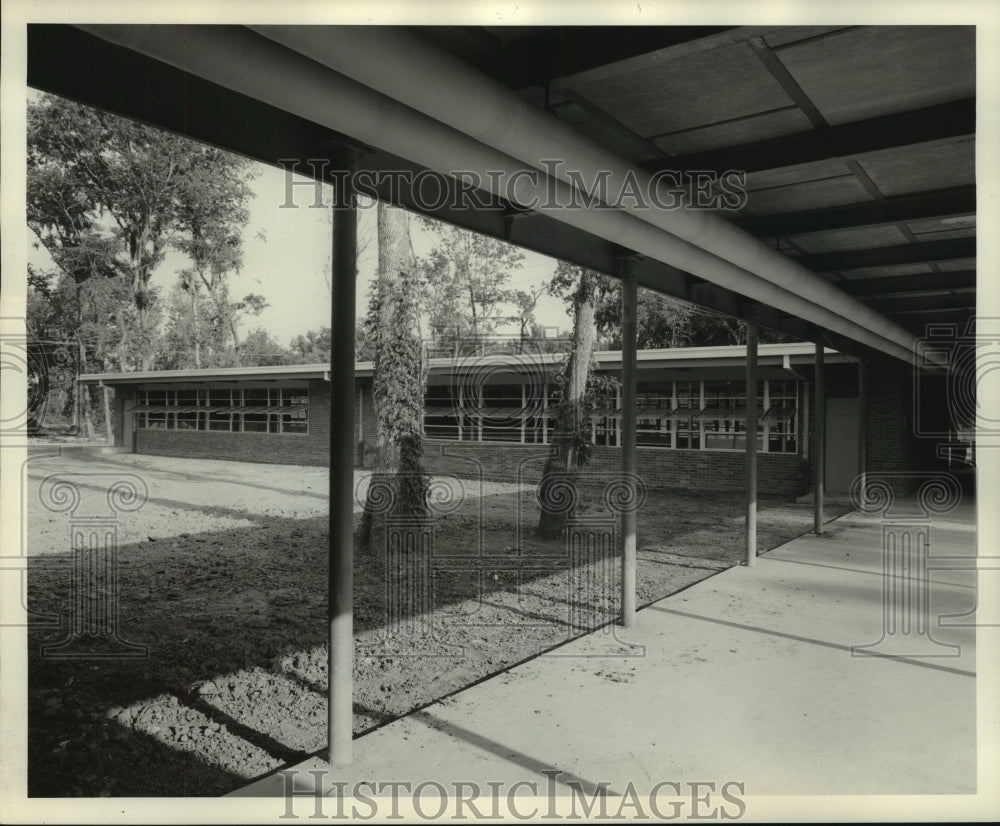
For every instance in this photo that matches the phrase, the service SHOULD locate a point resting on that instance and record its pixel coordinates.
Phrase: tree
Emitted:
(526, 302)
(465, 284)
(665, 321)
(578, 395)
(393, 326)
(212, 196)
(259, 349)
(108, 196)
(314, 347)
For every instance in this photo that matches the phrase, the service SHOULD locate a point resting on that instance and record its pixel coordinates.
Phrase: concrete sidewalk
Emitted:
(745, 677)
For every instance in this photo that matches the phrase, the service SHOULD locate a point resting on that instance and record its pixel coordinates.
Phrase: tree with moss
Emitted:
(398, 485)
(579, 393)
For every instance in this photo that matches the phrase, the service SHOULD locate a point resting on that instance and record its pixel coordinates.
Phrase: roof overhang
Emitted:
(298, 372)
(883, 213)
(777, 356)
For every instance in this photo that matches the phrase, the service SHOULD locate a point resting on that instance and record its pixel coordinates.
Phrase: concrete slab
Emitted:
(775, 677)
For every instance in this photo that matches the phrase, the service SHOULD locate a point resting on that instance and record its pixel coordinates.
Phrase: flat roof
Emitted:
(768, 355)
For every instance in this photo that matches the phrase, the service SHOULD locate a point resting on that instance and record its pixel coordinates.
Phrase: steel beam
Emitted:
(922, 253)
(751, 446)
(933, 123)
(340, 710)
(959, 200)
(630, 304)
(819, 456)
(892, 286)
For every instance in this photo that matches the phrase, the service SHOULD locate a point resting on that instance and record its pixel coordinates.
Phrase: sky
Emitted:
(291, 267)
(286, 258)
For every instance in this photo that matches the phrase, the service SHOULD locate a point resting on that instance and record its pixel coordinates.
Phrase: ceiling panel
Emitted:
(699, 89)
(606, 133)
(950, 222)
(957, 264)
(965, 232)
(810, 195)
(921, 167)
(869, 71)
(797, 174)
(793, 34)
(760, 127)
(850, 239)
(891, 270)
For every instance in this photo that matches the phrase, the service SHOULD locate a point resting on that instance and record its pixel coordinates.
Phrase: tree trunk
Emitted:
(572, 422)
(195, 325)
(398, 485)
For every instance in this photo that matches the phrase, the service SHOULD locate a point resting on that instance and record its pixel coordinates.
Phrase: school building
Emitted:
(490, 416)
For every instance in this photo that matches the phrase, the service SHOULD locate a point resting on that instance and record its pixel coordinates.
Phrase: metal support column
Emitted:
(340, 710)
(862, 429)
(751, 446)
(630, 300)
(819, 457)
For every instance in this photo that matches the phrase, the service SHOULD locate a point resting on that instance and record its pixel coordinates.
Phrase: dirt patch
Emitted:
(222, 578)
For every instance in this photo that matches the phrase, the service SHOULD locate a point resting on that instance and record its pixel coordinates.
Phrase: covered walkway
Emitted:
(762, 676)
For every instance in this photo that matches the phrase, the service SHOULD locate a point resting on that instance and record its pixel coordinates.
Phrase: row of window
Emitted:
(233, 410)
(687, 415)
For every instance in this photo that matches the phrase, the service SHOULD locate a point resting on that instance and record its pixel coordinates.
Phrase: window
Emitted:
(294, 411)
(225, 409)
(187, 415)
(220, 403)
(781, 417)
(680, 415)
(442, 418)
(256, 401)
(653, 424)
(689, 403)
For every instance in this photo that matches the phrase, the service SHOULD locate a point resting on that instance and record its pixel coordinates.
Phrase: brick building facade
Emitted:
(215, 414)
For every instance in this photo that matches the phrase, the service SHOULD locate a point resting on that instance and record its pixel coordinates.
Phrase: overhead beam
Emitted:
(959, 200)
(135, 86)
(901, 284)
(926, 252)
(896, 305)
(561, 51)
(914, 319)
(933, 123)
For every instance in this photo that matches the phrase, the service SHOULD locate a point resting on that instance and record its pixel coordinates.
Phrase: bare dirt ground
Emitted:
(222, 576)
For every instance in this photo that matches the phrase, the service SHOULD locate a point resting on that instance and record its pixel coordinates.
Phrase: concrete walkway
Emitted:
(745, 678)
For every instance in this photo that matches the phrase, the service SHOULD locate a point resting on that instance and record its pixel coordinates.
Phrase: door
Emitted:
(841, 444)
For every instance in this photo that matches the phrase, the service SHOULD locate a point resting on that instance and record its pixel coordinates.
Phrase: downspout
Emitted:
(402, 65)
(786, 365)
(238, 59)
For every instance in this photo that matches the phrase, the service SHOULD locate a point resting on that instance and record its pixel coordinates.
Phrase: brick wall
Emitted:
(890, 443)
(364, 422)
(779, 474)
